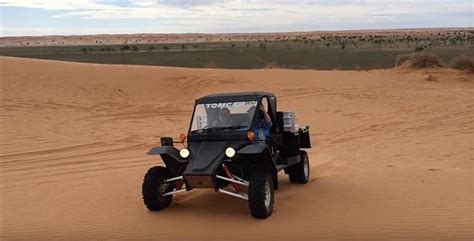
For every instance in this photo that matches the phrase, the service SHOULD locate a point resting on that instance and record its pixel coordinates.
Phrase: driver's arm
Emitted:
(265, 114)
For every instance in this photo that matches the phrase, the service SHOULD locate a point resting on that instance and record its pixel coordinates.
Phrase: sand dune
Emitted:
(392, 159)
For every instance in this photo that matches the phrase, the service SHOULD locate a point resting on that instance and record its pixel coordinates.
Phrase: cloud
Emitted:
(175, 3)
(57, 5)
(147, 9)
(259, 15)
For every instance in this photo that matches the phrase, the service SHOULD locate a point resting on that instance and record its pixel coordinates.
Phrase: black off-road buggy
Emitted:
(229, 158)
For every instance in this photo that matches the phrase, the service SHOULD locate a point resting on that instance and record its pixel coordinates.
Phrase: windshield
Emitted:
(223, 116)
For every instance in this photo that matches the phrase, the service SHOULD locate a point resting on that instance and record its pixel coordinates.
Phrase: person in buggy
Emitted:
(264, 123)
(223, 118)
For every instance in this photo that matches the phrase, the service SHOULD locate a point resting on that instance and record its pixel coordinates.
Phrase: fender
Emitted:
(253, 149)
(168, 150)
(261, 151)
(264, 159)
(171, 158)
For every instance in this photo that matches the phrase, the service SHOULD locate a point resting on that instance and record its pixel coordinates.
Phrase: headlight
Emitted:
(230, 152)
(184, 153)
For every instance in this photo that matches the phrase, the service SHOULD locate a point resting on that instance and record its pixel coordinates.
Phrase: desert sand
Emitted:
(392, 155)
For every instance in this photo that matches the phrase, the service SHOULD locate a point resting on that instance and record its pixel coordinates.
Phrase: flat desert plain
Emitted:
(392, 156)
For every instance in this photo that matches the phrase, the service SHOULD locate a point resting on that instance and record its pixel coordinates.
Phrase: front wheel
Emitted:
(299, 172)
(154, 186)
(260, 195)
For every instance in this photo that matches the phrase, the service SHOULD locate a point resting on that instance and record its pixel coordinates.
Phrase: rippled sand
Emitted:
(392, 159)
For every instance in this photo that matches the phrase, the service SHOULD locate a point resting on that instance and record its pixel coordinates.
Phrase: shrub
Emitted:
(272, 66)
(401, 59)
(420, 60)
(429, 77)
(464, 63)
(426, 60)
(211, 66)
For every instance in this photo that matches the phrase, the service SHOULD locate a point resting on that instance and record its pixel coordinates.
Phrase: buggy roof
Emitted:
(234, 96)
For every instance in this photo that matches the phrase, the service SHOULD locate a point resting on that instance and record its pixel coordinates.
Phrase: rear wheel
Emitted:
(154, 186)
(260, 195)
(299, 173)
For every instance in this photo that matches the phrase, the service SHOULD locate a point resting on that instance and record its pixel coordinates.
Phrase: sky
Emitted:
(71, 17)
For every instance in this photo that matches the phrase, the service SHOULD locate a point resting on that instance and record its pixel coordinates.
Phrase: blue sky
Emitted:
(41, 17)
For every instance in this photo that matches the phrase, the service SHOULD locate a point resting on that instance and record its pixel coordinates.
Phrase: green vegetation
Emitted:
(325, 52)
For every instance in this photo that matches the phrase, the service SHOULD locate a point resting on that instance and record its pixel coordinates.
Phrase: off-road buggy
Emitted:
(228, 157)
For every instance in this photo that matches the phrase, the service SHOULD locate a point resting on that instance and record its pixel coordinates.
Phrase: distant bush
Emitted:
(272, 66)
(401, 59)
(420, 60)
(419, 48)
(464, 63)
(211, 66)
(426, 60)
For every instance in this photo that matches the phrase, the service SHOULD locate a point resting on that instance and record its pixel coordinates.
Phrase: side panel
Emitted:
(305, 141)
(288, 160)
(291, 144)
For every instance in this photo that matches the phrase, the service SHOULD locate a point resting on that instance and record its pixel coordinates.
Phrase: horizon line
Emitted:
(466, 28)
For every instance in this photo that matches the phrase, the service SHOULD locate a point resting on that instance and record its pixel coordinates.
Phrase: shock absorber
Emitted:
(179, 184)
(229, 175)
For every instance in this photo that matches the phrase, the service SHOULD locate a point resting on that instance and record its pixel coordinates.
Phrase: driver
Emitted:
(264, 123)
(223, 119)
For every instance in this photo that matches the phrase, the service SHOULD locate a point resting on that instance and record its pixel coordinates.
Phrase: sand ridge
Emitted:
(153, 38)
(392, 157)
